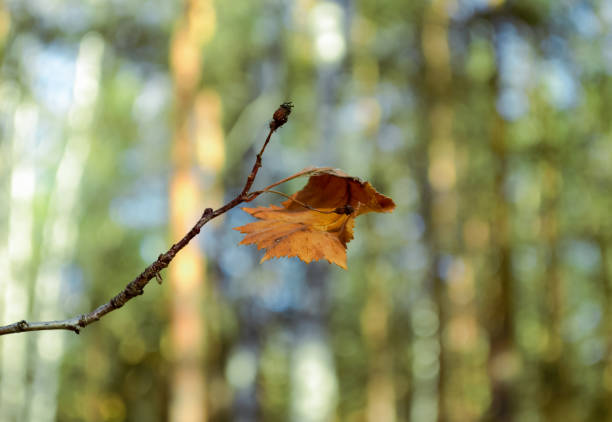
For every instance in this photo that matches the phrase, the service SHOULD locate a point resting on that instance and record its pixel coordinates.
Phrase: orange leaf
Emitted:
(294, 230)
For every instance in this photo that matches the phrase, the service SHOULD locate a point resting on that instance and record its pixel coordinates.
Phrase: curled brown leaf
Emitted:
(321, 231)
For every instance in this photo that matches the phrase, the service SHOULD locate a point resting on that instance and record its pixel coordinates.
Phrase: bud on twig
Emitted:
(281, 115)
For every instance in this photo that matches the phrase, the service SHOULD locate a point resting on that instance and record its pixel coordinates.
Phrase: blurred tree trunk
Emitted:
(600, 235)
(499, 313)
(380, 405)
(60, 232)
(440, 198)
(380, 401)
(552, 371)
(15, 256)
(602, 410)
(187, 272)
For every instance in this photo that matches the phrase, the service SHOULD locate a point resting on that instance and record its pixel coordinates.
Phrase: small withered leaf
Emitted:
(321, 231)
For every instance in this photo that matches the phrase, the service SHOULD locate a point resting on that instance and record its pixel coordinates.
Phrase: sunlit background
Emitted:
(486, 295)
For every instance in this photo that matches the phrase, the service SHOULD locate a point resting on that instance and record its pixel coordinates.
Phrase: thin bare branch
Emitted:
(136, 286)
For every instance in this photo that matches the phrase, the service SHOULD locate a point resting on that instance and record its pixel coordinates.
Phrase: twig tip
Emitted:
(281, 115)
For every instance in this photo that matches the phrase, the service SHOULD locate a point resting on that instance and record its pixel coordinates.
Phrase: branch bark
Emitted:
(136, 286)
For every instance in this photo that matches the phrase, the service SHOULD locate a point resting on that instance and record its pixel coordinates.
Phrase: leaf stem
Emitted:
(297, 201)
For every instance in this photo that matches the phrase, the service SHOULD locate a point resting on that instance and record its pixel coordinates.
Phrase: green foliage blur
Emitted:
(485, 296)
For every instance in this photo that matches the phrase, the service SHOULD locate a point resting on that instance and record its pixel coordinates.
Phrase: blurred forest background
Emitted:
(486, 295)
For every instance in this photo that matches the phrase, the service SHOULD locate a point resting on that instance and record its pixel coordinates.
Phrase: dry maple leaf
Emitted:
(317, 222)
